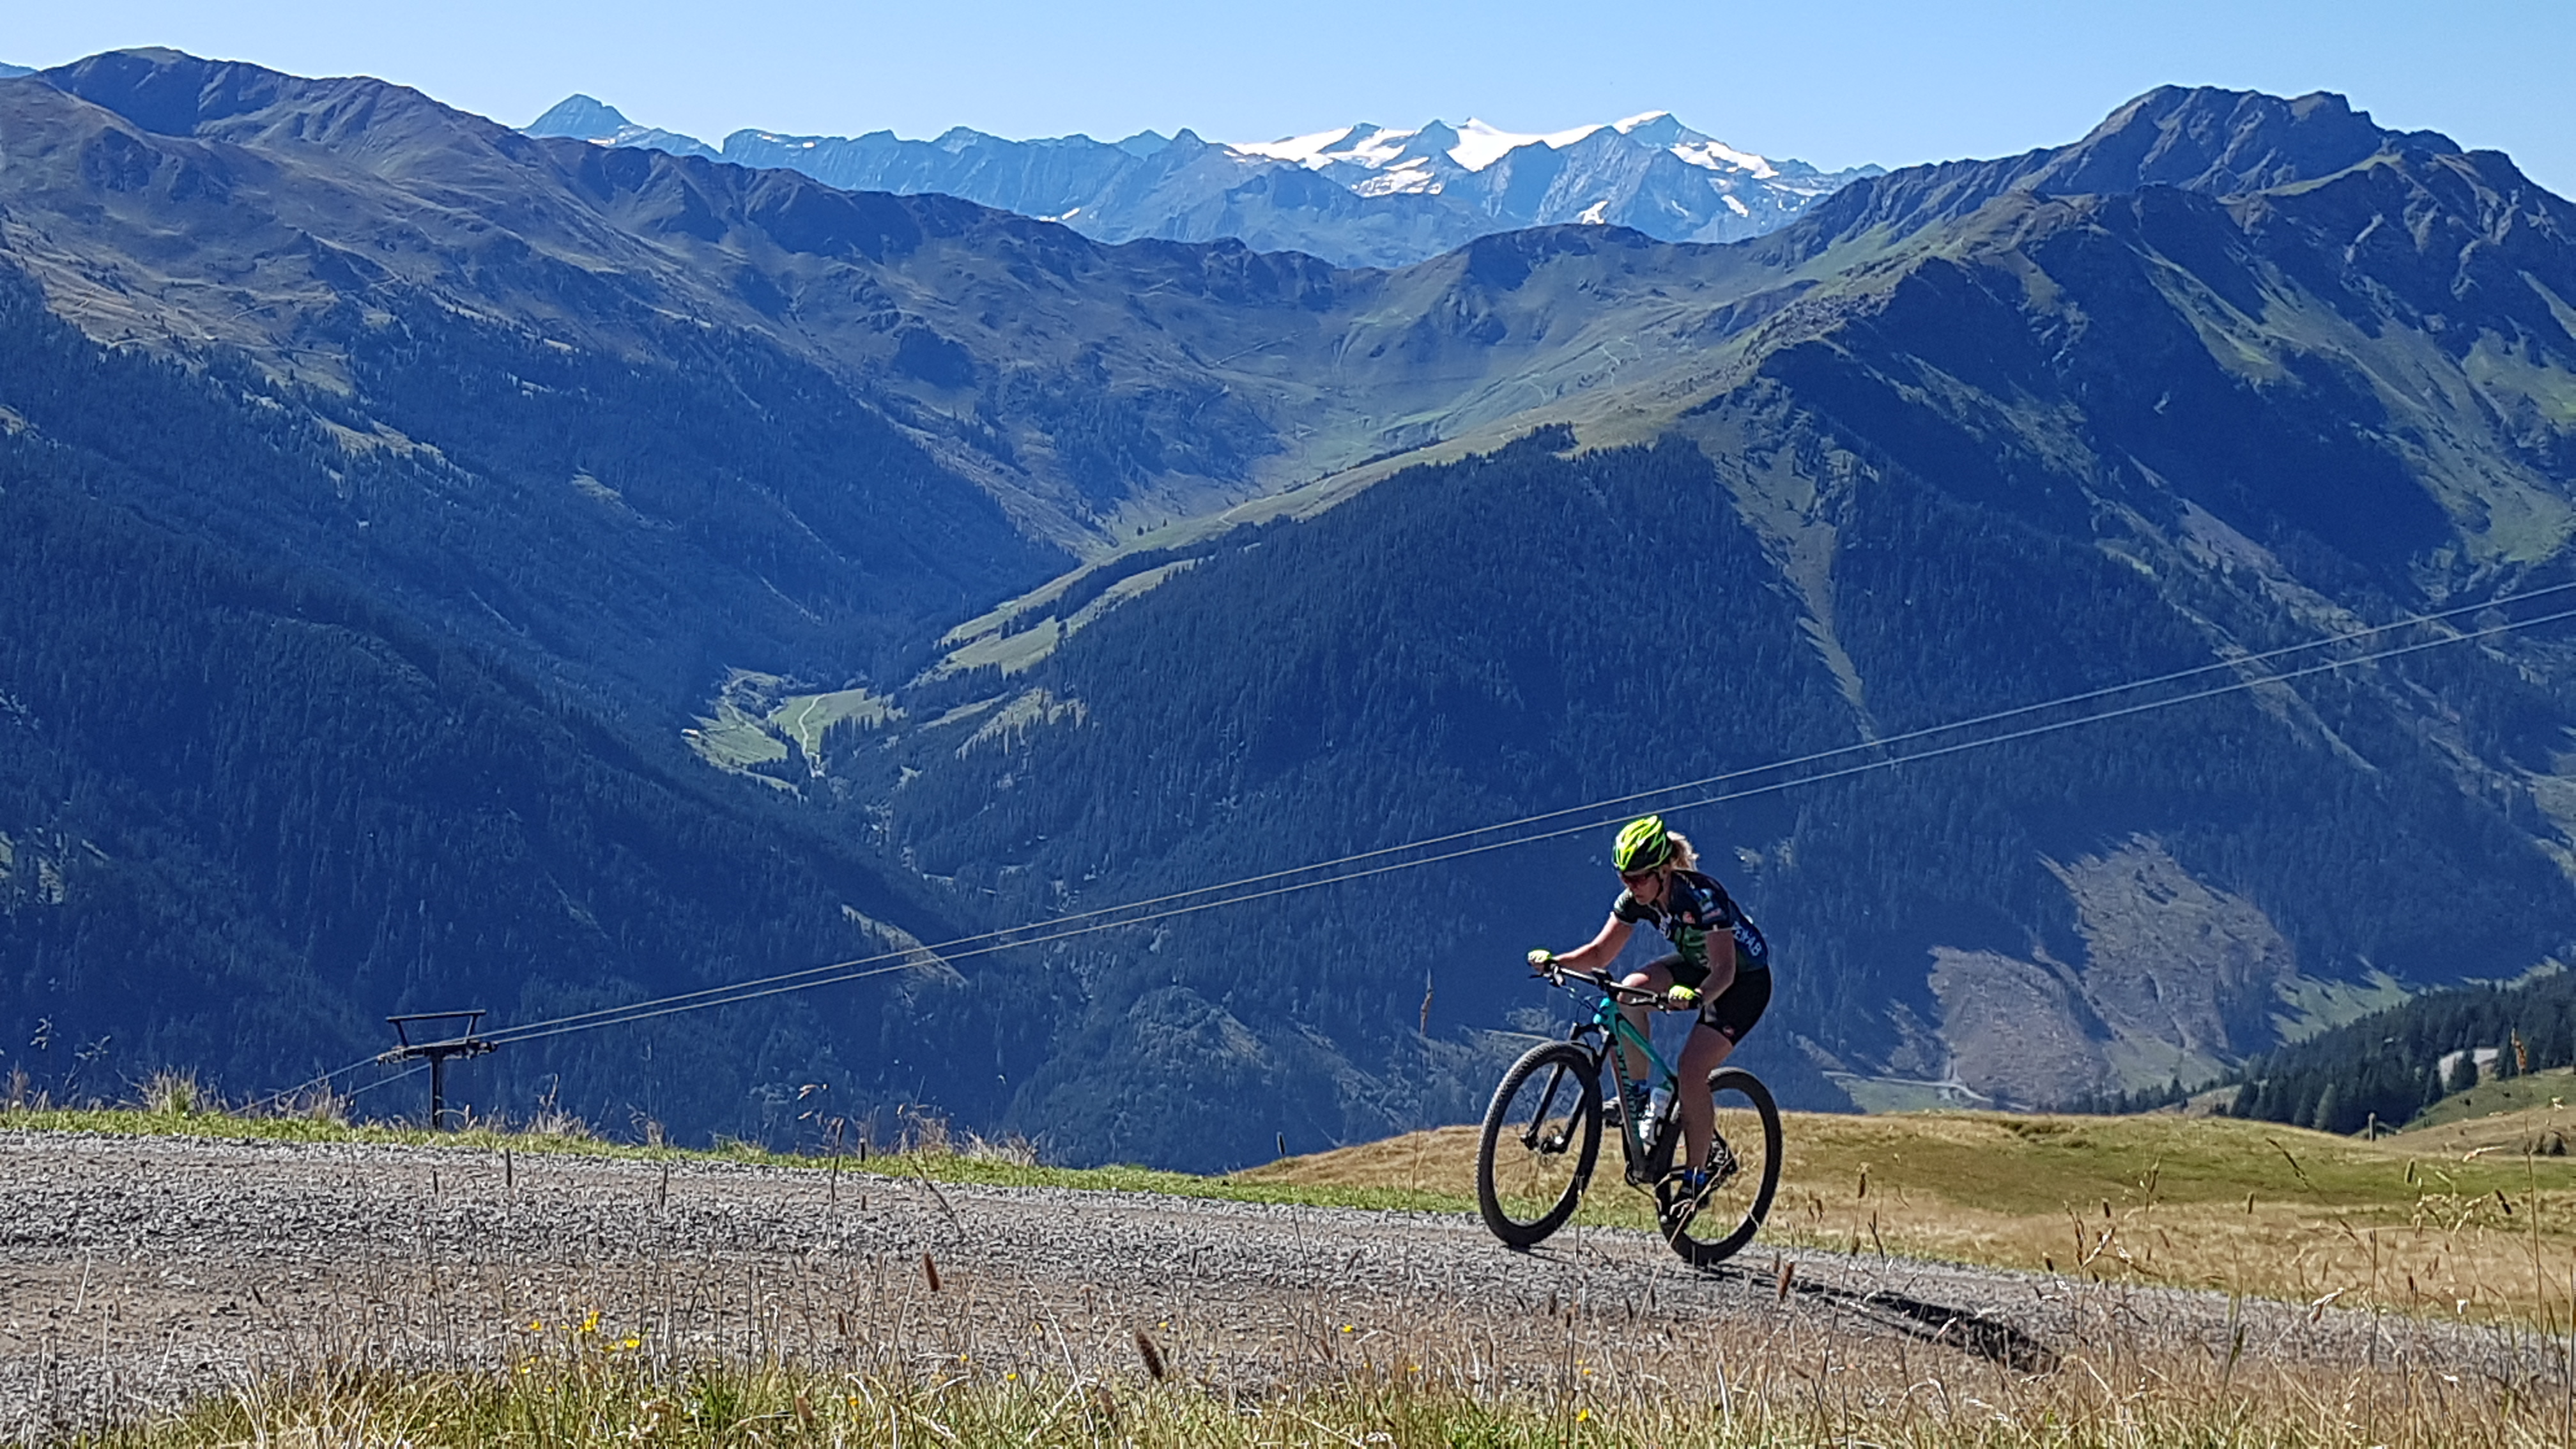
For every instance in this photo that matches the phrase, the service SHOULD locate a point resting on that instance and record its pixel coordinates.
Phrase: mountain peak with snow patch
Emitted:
(1407, 195)
(1478, 145)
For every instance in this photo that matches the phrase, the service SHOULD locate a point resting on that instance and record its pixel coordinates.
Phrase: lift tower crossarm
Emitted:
(438, 1051)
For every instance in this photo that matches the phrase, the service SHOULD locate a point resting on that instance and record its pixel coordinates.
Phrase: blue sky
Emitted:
(1835, 82)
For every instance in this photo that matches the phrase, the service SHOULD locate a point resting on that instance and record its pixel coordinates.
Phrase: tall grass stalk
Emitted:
(635, 1400)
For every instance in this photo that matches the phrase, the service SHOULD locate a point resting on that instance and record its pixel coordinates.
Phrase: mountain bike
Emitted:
(1542, 1136)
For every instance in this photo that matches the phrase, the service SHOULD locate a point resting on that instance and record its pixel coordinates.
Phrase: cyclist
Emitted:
(1719, 962)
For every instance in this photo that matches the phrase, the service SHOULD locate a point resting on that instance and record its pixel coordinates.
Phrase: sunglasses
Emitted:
(1636, 878)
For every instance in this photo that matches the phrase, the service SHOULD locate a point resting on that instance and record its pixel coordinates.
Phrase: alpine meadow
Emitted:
(443, 566)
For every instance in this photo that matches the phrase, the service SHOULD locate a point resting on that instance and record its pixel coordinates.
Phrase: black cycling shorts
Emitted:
(1730, 1013)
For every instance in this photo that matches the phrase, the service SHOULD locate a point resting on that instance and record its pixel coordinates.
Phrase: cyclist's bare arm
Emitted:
(1601, 950)
(1721, 964)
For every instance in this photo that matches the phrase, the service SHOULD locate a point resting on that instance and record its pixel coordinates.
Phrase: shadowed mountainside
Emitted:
(1038, 574)
(2054, 444)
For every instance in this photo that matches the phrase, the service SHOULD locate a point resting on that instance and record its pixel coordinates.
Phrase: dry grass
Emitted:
(2417, 1223)
(879, 1355)
(174, 1094)
(780, 1405)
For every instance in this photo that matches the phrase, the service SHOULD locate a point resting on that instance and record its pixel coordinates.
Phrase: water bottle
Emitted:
(1655, 1106)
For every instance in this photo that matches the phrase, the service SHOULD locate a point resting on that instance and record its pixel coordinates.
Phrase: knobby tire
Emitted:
(1750, 1122)
(1528, 1191)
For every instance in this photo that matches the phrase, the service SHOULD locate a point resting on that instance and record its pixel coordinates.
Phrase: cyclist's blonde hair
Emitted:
(1683, 857)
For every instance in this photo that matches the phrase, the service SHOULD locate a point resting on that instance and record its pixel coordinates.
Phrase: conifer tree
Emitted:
(2464, 1072)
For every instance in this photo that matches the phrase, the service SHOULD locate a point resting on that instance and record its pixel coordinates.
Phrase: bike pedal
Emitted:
(1722, 1164)
(1676, 1202)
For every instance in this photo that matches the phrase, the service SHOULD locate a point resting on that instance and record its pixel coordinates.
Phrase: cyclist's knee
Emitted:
(1707, 1049)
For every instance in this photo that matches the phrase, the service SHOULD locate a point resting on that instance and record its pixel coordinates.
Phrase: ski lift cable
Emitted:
(415, 1069)
(299, 1088)
(741, 991)
(948, 948)
(669, 1006)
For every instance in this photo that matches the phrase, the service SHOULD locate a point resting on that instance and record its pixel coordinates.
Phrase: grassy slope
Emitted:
(2513, 1116)
(2199, 1202)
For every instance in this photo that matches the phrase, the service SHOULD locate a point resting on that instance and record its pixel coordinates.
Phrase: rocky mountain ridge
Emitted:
(1362, 195)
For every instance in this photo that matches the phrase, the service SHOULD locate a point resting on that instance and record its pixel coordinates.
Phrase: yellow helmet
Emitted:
(1643, 845)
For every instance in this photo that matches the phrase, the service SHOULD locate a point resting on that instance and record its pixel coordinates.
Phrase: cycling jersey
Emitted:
(1694, 905)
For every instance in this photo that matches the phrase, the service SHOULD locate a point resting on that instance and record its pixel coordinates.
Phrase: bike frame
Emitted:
(1602, 1036)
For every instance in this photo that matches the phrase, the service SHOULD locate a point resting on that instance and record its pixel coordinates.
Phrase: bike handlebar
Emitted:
(1618, 991)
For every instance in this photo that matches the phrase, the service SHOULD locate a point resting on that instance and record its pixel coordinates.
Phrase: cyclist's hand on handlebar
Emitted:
(1542, 962)
(1681, 998)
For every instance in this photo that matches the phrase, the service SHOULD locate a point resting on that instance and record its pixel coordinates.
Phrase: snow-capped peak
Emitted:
(1318, 149)
(1719, 156)
(1479, 144)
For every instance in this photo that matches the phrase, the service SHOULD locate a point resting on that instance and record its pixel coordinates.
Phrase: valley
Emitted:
(728, 573)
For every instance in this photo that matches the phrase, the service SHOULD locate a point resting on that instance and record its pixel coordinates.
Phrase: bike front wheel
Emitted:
(1541, 1136)
(1746, 1161)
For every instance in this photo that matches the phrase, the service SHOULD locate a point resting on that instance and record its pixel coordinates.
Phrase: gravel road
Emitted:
(139, 1273)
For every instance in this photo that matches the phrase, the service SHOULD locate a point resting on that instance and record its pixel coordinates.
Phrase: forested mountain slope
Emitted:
(390, 491)
(2046, 445)
(2391, 1065)
(2149, 897)
(248, 806)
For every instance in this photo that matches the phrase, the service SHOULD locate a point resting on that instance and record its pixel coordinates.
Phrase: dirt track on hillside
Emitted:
(138, 1273)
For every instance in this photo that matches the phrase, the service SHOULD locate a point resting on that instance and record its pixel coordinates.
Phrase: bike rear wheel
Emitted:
(1541, 1136)
(1731, 1212)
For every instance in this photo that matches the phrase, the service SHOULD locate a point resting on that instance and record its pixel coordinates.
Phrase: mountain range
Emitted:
(1356, 196)
(449, 566)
